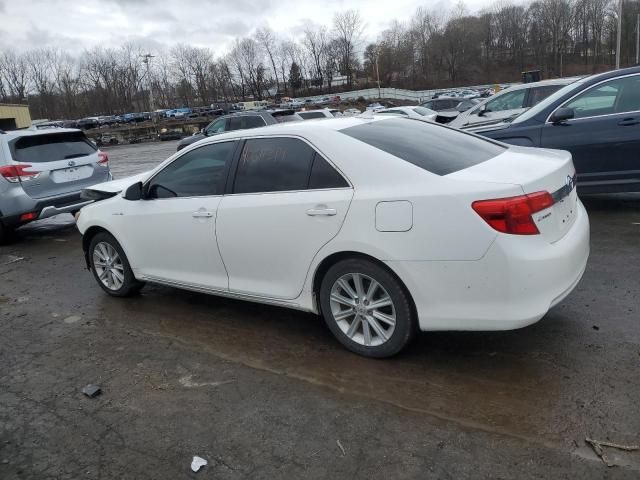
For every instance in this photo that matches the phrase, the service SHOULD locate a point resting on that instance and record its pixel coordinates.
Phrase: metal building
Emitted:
(13, 116)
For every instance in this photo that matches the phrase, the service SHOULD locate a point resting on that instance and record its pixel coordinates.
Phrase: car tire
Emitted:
(110, 266)
(390, 327)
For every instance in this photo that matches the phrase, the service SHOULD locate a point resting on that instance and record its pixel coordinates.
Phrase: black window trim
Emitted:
(233, 170)
(225, 173)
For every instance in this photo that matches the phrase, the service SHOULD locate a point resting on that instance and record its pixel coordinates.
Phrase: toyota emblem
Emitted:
(71, 163)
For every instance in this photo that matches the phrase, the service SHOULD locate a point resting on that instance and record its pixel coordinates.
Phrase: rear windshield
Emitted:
(51, 147)
(432, 147)
(310, 115)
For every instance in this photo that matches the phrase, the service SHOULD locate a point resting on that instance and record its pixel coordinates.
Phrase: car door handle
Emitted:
(628, 121)
(315, 212)
(202, 214)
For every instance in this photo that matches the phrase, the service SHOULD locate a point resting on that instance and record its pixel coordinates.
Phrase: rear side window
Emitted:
(434, 148)
(324, 175)
(254, 122)
(273, 165)
(536, 95)
(51, 147)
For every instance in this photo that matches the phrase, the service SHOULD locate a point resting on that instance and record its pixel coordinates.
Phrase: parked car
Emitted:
(350, 112)
(411, 112)
(597, 119)
(509, 103)
(385, 226)
(182, 112)
(375, 107)
(448, 108)
(42, 173)
(311, 114)
(442, 103)
(241, 121)
(88, 123)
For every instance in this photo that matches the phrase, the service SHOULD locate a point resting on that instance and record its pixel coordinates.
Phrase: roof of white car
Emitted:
(300, 128)
(29, 132)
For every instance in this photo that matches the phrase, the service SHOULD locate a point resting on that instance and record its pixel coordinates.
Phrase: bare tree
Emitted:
(14, 69)
(348, 27)
(267, 41)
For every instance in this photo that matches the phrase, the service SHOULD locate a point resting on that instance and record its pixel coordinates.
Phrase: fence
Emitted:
(417, 96)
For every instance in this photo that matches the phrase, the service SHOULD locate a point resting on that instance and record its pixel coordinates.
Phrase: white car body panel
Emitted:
(461, 273)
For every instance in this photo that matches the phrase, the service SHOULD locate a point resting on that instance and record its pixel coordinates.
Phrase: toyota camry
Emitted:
(384, 226)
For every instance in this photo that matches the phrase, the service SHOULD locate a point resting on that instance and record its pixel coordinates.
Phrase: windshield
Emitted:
(533, 111)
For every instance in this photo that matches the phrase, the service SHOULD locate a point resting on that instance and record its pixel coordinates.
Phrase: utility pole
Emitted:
(377, 72)
(619, 35)
(638, 39)
(147, 61)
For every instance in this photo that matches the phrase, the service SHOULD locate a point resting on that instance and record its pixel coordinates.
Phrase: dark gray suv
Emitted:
(241, 121)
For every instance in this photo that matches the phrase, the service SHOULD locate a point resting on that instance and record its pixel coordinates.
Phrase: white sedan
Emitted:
(413, 111)
(384, 226)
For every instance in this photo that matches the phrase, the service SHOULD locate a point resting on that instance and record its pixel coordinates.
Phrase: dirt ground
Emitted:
(264, 392)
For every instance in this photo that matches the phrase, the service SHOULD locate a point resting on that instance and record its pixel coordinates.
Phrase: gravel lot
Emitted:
(263, 392)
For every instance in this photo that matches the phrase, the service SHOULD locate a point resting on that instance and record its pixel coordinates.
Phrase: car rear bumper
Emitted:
(514, 285)
(15, 206)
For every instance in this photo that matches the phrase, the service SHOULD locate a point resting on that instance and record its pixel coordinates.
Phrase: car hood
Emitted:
(492, 118)
(191, 139)
(116, 186)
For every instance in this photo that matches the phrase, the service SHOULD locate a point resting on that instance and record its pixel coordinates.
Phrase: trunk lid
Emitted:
(534, 170)
(66, 161)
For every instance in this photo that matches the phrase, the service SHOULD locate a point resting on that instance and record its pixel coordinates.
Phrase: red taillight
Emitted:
(17, 173)
(513, 214)
(25, 217)
(103, 159)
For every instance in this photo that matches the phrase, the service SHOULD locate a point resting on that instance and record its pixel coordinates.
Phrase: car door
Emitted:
(285, 203)
(169, 235)
(604, 135)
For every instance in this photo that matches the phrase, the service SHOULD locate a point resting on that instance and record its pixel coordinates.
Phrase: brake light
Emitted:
(513, 214)
(17, 173)
(25, 217)
(103, 159)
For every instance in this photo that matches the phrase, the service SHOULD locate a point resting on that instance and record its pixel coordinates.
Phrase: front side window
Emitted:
(273, 165)
(216, 127)
(616, 96)
(508, 101)
(197, 173)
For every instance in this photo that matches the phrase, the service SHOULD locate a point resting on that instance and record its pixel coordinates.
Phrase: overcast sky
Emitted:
(75, 25)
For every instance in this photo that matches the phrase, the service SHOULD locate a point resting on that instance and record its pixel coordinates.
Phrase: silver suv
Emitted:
(42, 173)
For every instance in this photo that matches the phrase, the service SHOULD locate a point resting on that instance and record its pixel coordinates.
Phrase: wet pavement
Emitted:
(263, 392)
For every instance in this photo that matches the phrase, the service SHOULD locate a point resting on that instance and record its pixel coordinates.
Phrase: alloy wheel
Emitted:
(363, 309)
(108, 266)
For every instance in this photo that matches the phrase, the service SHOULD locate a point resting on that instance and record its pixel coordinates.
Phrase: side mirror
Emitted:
(562, 114)
(134, 192)
(482, 111)
(203, 131)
